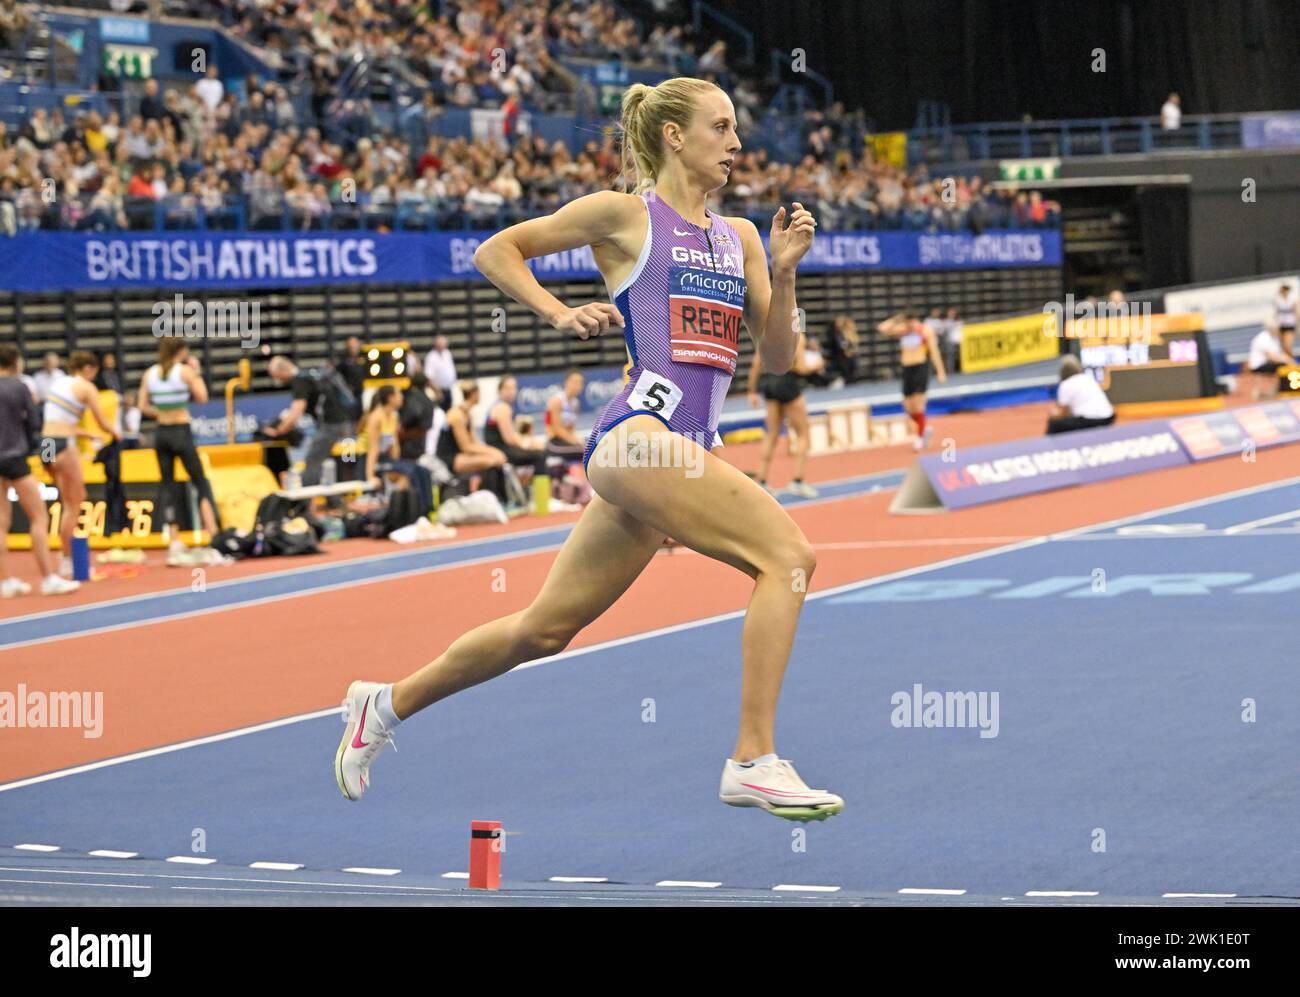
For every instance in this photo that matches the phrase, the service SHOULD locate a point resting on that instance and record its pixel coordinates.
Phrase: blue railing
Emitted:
(701, 10)
(1074, 137)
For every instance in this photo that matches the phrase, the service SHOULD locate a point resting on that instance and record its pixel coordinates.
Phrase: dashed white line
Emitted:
(455, 875)
(688, 883)
(935, 892)
(37, 848)
(108, 853)
(364, 871)
(795, 888)
(579, 879)
(190, 860)
(1199, 896)
(278, 866)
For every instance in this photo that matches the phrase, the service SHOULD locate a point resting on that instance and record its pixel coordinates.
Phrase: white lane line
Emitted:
(678, 627)
(1281, 517)
(455, 875)
(579, 879)
(108, 853)
(80, 886)
(365, 871)
(335, 586)
(1162, 529)
(166, 749)
(1199, 896)
(688, 883)
(37, 848)
(278, 866)
(1061, 893)
(794, 888)
(191, 860)
(928, 892)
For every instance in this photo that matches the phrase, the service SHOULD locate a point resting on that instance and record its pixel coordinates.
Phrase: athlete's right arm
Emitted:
(895, 325)
(585, 221)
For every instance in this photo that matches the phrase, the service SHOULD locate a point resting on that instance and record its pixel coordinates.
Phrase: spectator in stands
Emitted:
(440, 367)
(210, 90)
(1284, 317)
(15, 19)
(463, 454)
(352, 365)
(418, 404)
(325, 395)
(47, 375)
(151, 104)
(1171, 114)
(499, 430)
(562, 437)
(840, 346)
(1080, 401)
(1265, 357)
(377, 434)
(20, 423)
(109, 377)
(954, 339)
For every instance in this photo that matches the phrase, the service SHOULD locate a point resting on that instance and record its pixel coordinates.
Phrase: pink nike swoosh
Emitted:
(774, 792)
(356, 738)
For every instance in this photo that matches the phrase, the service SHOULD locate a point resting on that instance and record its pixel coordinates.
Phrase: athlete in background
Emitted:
(919, 347)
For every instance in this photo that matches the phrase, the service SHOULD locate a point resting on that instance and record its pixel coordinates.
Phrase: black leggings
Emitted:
(171, 442)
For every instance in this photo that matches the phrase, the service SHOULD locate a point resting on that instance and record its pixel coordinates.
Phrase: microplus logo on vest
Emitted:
(77, 951)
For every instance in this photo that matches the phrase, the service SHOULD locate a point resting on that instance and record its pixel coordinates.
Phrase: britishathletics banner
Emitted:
(1024, 467)
(76, 261)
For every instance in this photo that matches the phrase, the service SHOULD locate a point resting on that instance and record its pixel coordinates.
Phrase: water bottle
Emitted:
(292, 481)
(541, 494)
(329, 472)
(81, 559)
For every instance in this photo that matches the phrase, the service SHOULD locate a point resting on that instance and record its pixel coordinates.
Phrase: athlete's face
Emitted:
(709, 145)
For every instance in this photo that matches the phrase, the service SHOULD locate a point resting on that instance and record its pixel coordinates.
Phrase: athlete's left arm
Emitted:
(936, 355)
(766, 296)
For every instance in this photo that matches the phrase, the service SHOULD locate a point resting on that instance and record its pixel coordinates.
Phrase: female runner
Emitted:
(680, 279)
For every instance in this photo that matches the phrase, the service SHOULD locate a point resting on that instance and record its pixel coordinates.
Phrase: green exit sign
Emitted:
(1029, 169)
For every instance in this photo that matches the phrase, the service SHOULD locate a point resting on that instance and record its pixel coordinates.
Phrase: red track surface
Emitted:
(176, 680)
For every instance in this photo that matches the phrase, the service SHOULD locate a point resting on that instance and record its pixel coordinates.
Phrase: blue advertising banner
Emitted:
(1270, 131)
(602, 384)
(70, 261)
(208, 421)
(1024, 467)
(1220, 434)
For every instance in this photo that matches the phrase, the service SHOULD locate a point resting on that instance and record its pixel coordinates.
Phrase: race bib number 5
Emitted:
(655, 393)
(704, 314)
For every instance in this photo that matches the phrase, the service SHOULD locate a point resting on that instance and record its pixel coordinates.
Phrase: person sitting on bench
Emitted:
(1080, 401)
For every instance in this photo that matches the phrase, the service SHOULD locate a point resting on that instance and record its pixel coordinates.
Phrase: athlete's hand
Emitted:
(787, 245)
(588, 320)
(754, 401)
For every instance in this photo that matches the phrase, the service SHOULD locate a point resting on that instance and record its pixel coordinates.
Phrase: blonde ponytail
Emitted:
(645, 111)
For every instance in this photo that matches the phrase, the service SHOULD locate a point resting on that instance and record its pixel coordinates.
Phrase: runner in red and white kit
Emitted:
(681, 280)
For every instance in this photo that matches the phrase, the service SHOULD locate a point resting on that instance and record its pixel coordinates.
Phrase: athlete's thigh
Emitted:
(604, 554)
(702, 502)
